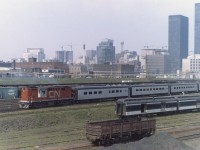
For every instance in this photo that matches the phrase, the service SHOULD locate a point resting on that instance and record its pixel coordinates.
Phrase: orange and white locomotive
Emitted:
(33, 97)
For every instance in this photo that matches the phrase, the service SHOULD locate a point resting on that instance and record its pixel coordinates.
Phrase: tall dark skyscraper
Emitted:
(105, 52)
(197, 29)
(177, 41)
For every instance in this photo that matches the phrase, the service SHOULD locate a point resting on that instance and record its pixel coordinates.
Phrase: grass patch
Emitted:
(48, 127)
(60, 127)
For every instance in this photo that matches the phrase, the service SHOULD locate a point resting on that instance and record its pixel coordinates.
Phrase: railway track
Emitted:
(184, 127)
(83, 147)
(181, 134)
(43, 146)
(9, 105)
(185, 133)
(178, 120)
(165, 123)
(13, 105)
(189, 137)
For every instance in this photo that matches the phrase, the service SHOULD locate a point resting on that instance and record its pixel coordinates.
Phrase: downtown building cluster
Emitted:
(100, 62)
(174, 59)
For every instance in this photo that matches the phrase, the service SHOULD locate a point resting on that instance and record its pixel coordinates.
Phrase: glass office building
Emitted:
(105, 52)
(64, 56)
(197, 29)
(177, 41)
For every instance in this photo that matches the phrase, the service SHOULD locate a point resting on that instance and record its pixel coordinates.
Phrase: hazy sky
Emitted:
(51, 23)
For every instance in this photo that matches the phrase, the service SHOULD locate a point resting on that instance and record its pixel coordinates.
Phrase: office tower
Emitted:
(37, 53)
(197, 29)
(60, 56)
(154, 61)
(90, 54)
(69, 57)
(191, 64)
(177, 41)
(106, 52)
(64, 56)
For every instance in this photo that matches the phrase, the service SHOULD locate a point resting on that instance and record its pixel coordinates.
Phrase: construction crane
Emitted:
(66, 45)
(62, 48)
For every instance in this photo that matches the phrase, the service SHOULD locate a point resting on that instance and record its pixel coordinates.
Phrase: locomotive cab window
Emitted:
(42, 92)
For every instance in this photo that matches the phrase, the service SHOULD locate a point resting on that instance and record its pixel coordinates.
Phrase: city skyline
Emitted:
(49, 24)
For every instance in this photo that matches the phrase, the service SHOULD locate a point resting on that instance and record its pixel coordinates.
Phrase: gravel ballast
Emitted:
(159, 141)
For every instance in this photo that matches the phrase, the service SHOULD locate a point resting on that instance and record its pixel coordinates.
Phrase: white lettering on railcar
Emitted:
(53, 94)
(11, 92)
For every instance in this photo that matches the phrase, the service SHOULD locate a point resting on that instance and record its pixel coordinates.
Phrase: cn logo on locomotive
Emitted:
(53, 94)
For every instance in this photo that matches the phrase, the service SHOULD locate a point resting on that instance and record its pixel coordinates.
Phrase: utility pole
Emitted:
(14, 63)
(84, 54)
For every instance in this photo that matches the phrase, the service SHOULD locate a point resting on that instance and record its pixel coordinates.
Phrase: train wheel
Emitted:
(103, 142)
(24, 106)
(108, 141)
(96, 142)
(100, 142)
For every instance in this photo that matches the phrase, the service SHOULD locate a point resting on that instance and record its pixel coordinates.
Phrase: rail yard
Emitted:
(64, 127)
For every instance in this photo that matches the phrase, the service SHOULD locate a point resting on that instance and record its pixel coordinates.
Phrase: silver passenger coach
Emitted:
(100, 92)
(153, 89)
(186, 88)
(165, 104)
